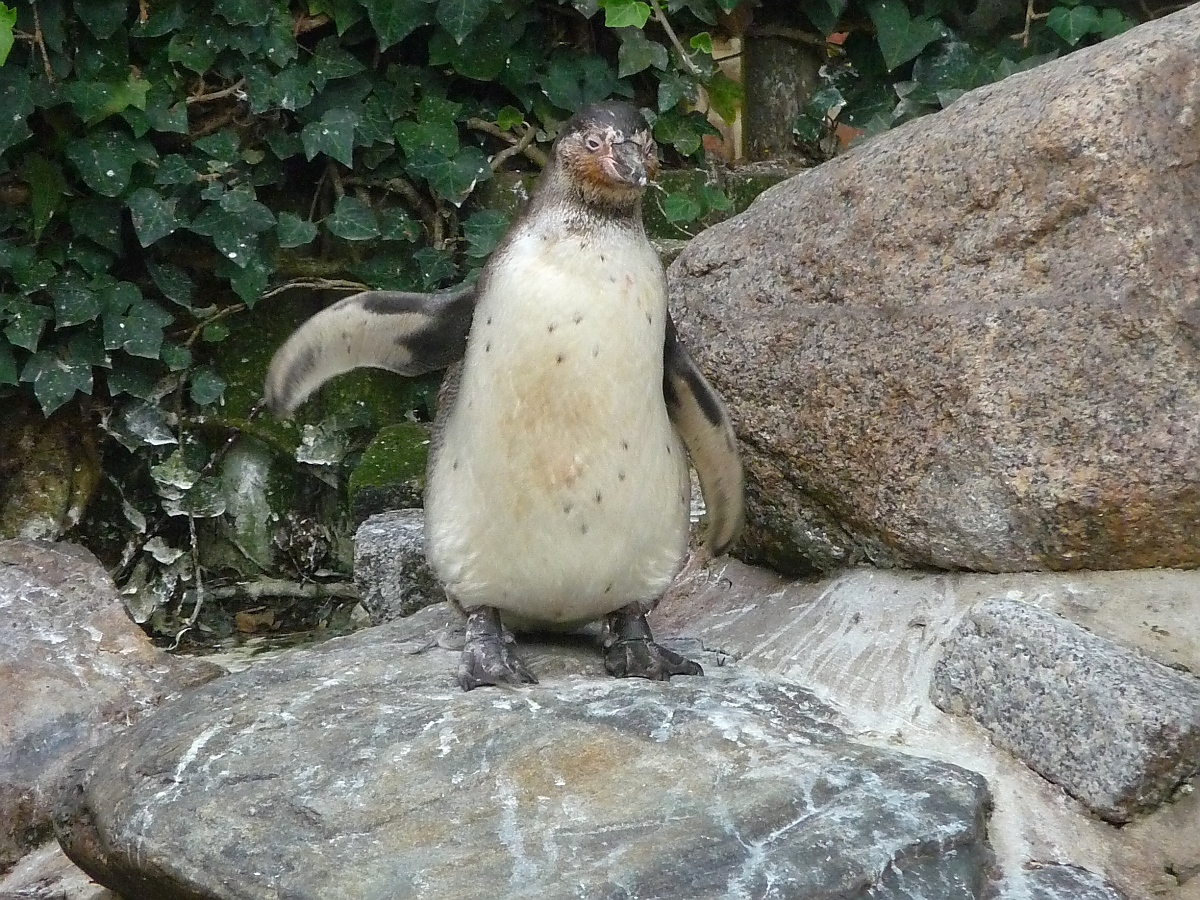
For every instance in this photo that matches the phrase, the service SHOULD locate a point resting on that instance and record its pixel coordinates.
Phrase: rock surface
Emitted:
(359, 769)
(1116, 730)
(1011, 380)
(393, 578)
(73, 672)
(867, 642)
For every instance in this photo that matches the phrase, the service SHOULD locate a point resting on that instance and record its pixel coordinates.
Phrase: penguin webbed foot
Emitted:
(488, 656)
(630, 650)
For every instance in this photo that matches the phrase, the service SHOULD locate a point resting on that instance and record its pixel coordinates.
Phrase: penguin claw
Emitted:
(630, 650)
(488, 657)
(646, 659)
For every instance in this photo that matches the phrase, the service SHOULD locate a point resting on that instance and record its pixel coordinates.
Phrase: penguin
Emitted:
(557, 490)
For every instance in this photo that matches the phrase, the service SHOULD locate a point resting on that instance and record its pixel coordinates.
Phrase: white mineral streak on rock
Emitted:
(524, 870)
(866, 642)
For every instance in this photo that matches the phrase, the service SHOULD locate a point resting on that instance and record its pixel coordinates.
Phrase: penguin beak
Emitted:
(626, 164)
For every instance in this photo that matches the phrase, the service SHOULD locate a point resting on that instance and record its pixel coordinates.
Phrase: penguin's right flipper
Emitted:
(407, 333)
(700, 417)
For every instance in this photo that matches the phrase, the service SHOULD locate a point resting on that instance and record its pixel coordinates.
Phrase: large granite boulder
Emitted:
(359, 769)
(74, 671)
(974, 341)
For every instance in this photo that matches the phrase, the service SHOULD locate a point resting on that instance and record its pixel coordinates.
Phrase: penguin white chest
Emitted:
(559, 490)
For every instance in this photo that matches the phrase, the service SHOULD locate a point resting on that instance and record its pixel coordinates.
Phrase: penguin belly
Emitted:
(558, 489)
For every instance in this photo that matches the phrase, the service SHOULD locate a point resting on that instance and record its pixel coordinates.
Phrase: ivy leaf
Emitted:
(134, 324)
(352, 220)
(197, 48)
(702, 42)
(174, 169)
(715, 199)
(397, 225)
(25, 324)
(900, 36)
(725, 95)
(679, 131)
(451, 177)
(46, 188)
(434, 265)
(243, 12)
(333, 135)
(394, 20)
(153, 217)
(572, 82)
(8, 19)
(638, 53)
(1072, 24)
(673, 88)
(680, 208)
(104, 160)
(461, 17)
(95, 101)
(824, 14)
(16, 104)
(222, 146)
(486, 52)
(250, 280)
(57, 374)
(175, 284)
(294, 231)
(135, 377)
(1113, 22)
(102, 17)
(176, 357)
(508, 118)
(622, 13)
(245, 213)
(8, 362)
(330, 61)
(74, 301)
(207, 386)
(162, 18)
(438, 137)
(483, 232)
(343, 12)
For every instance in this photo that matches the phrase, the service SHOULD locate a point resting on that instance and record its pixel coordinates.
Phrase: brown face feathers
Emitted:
(607, 166)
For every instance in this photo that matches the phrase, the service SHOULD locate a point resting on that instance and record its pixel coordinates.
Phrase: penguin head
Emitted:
(608, 153)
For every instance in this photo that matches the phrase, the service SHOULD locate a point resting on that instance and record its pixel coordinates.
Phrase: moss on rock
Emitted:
(391, 473)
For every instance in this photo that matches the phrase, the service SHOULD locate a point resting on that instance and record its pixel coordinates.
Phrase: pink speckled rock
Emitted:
(974, 341)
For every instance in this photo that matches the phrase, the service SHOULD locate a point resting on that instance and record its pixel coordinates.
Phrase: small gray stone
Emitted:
(390, 568)
(1113, 728)
(359, 769)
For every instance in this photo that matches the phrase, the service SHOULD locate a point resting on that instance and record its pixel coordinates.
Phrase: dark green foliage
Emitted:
(214, 145)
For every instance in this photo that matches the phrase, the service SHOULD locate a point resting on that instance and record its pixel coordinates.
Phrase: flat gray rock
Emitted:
(1115, 729)
(358, 769)
(74, 670)
(390, 570)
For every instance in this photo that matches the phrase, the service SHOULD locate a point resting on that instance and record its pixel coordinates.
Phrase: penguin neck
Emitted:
(580, 208)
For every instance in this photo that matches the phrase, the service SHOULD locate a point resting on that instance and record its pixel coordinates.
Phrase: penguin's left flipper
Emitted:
(700, 417)
(407, 333)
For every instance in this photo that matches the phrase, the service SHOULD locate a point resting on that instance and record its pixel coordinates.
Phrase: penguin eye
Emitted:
(593, 143)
